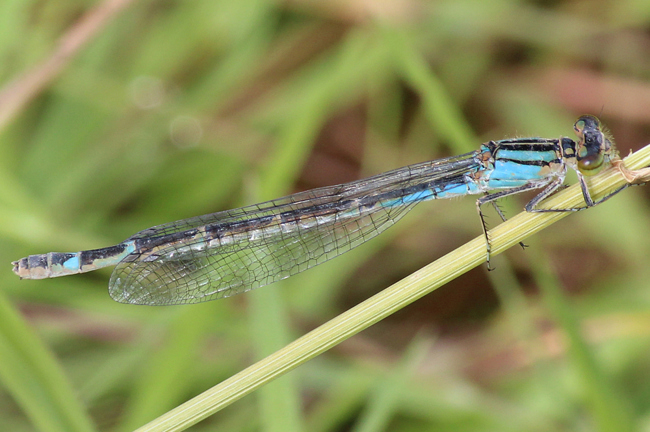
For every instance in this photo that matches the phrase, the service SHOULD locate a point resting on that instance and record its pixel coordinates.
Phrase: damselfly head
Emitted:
(595, 145)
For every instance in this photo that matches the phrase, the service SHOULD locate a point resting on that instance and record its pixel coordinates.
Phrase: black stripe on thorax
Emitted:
(543, 146)
(540, 163)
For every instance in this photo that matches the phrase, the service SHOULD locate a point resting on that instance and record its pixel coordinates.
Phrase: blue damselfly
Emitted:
(222, 254)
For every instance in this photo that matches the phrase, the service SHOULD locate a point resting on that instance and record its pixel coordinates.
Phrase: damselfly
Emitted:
(222, 254)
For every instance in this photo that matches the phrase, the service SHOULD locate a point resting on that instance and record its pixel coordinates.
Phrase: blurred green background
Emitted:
(119, 115)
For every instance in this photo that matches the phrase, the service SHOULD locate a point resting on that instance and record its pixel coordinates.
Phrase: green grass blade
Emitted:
(35, 380)
(604, 402)
(383, 400)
